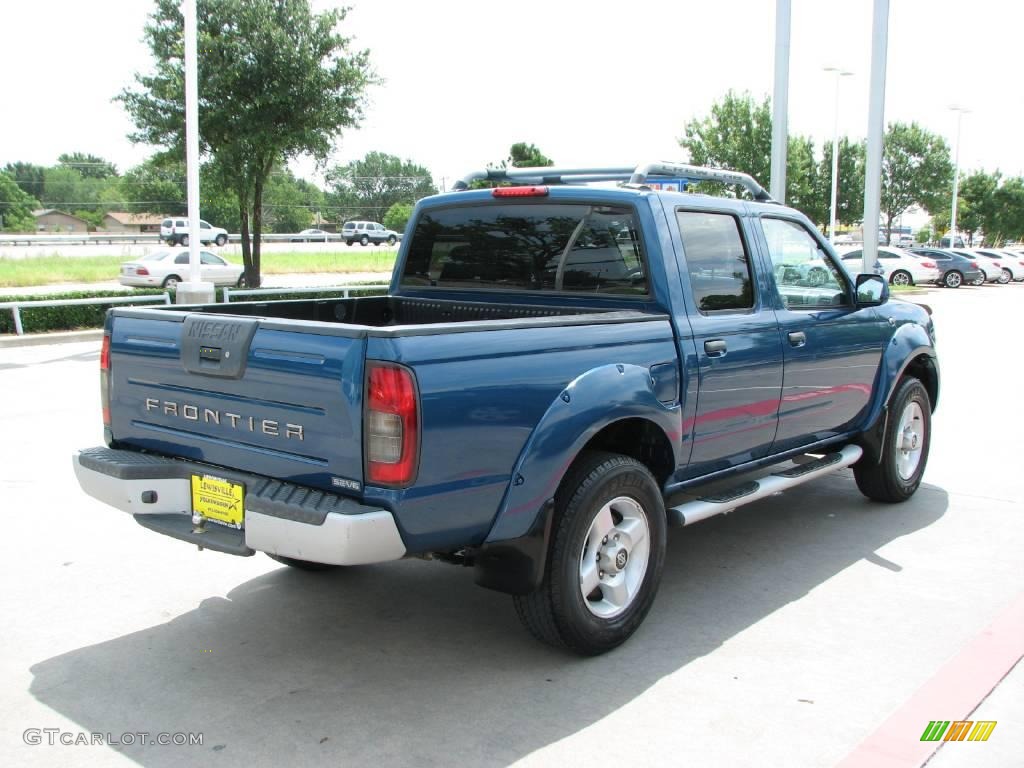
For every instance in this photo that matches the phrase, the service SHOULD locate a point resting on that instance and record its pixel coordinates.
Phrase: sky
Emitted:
(590, 83)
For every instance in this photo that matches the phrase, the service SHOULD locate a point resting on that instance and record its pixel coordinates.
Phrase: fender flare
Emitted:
(513, 555)
(910, 343)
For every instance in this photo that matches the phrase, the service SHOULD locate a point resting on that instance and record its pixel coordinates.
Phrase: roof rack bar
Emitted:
(634, 175)
(542, 175)
(699, 173)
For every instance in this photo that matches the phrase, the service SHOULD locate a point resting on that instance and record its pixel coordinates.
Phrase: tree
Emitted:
(1008, 222)
(27, 176)
(276, 81)
(738, 135)
(16, 206)
(915, 169)
(398, 216)
(156, 185)
(89, 166)
(523, 155)
(976, 207)
(850, 190)
(290, 202)
(367, 188)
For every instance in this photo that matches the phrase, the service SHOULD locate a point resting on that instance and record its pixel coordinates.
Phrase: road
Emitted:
(785, 634)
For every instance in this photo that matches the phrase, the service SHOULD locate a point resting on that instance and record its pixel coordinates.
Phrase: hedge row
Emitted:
(64, 318)
(79, 316)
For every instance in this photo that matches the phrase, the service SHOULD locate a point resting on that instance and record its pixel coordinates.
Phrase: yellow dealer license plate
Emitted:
(218, 499)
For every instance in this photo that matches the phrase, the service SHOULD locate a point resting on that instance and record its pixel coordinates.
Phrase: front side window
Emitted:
(717, 261)
(805, 274)
(210, 260)
(528, 246)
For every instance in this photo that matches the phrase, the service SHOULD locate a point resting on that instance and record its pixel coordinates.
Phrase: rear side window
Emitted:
(716, 260)
(561, 247)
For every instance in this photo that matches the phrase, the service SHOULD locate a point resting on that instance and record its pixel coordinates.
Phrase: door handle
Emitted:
(715, 347)
(797, 338)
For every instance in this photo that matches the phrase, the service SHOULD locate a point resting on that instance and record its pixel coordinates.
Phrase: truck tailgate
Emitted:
(226, 391)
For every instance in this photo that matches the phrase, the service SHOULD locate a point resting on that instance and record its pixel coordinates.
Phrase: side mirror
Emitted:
(872, 290)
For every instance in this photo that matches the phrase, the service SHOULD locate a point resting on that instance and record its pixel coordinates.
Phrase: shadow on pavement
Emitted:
(411, 663)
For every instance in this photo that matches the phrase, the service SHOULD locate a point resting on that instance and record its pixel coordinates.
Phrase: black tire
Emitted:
(221, 239)
(183, 240)
(171, 281)
(241, 281)
(392, 239)
(883, 481)
(302, 565)
(901, 277)
(348, 242)
(557, 613)
(953, 279)
(364, 240)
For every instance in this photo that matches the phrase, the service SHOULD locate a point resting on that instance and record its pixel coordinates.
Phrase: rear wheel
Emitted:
(1005, 276)
(605, 560)
(392, 239)
(953, 279)
(221, 239)
(171, 282)
(907, 439)
(364, 240)
(184, 240)
(901, 277)
(302, 565)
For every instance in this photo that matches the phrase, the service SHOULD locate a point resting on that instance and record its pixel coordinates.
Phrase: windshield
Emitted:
(528, 246)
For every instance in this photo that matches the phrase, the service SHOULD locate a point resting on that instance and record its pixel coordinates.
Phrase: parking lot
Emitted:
(785, 634)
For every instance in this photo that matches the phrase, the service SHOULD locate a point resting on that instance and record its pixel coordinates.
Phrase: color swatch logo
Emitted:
(960, 730)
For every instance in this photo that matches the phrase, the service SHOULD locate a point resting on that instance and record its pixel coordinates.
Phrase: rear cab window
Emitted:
(563, 247)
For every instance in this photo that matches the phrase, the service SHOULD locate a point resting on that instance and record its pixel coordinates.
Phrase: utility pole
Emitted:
(960, 111)
(194, 291)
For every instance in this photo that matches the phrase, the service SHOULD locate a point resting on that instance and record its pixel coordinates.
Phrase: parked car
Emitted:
(1010, 262)
(175, 232)
(900, 267)
(955, 269)
(168, 268)
(991, 268)
(526, 399)
(366, 232)
(311, 236)
(992, 263)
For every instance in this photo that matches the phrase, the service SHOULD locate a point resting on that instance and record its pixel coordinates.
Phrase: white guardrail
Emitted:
(165, 298)
(16, 306)
(85, 238)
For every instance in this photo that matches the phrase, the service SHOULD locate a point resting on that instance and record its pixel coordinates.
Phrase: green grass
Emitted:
(45, 270)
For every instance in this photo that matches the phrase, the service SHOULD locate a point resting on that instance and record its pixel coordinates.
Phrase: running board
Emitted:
(729, 499)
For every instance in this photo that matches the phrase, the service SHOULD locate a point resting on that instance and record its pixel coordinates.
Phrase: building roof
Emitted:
(45, 211)
(122, 217)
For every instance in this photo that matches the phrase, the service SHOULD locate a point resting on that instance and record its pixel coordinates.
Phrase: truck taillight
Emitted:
(105, 379)
(391, 425)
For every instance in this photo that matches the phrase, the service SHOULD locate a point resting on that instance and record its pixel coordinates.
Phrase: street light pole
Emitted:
(876, 132)
(956, 176)
(780, 99)
(835, 155)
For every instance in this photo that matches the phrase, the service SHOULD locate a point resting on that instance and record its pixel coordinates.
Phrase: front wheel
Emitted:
(605, 559)
(953, 279)
(364, 240)
(900, 277)
(221, 239)
(905, 448)
(392, 239)
(171, 282)
(1005, 276)
(184, 240)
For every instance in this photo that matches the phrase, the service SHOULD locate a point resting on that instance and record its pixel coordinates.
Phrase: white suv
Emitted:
(366, 232)
(174, 231)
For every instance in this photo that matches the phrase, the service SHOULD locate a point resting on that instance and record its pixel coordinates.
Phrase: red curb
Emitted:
(951, 694)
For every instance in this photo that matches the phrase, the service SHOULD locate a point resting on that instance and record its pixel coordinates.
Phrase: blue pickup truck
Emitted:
(560, 371)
